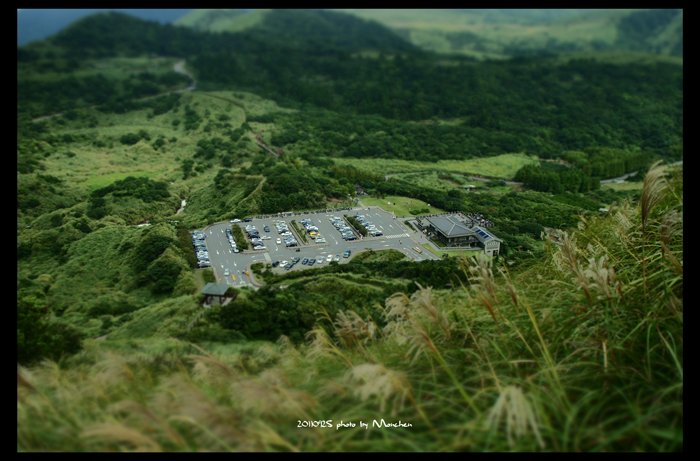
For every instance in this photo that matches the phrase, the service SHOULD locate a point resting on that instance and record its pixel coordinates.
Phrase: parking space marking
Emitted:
(395, 236)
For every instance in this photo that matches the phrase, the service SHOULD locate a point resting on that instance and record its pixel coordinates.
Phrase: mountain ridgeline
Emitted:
(503, 33)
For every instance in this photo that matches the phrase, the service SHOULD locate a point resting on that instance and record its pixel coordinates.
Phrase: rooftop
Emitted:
(215, 289)
(450, 226)
(483, 235)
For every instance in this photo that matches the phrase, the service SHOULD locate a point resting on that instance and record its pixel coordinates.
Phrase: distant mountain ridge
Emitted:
(300, 27)
(311, 30)
(491, 33)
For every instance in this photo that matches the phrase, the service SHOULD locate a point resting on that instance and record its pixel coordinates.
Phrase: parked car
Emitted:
(346, 254)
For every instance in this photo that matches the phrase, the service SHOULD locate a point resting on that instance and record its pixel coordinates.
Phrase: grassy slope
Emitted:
(401, 206)
(221, 20)
(494, 31)
(95, 270)
(500, 166)
(557, 357)
(94, 167)
(428, 28)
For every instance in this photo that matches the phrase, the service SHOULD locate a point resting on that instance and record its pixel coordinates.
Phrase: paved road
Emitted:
(623, 178)
(396, 236)
(619, 179)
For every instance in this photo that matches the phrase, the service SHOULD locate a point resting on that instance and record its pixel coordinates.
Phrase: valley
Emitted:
(403, 225)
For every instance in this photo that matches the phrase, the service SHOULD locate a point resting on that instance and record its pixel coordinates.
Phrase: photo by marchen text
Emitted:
(375, 423)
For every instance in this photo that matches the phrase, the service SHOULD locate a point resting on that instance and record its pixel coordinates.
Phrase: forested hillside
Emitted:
(570, 106)
(131, 134)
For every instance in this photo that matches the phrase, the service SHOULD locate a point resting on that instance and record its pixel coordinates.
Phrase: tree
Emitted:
(163, 273)
(187, 165)
(40, 337)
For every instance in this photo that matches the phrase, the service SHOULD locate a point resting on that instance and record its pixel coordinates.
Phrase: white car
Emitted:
(278, 241)
(265, 237)
(329, 258)
(235, 220)
(227, 272)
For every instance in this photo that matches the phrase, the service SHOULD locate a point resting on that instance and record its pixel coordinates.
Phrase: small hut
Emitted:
(214, 293)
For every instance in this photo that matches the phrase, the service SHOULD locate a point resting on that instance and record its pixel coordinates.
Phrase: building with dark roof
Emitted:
(454, 232)
(214, 292)
(490, 243)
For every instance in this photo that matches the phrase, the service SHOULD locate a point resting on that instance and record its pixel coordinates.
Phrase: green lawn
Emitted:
(96, 182)
(398, 205)
(499, 166)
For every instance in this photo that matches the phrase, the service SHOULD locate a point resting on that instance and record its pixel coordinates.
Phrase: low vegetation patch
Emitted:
(239, 238)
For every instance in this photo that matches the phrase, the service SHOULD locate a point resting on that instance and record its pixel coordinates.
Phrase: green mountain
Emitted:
(570, 340)
(656, 31)
(502, 33)
(400, 82)
(300, 28)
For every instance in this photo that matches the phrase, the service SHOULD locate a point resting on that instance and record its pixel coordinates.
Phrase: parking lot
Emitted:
(222, 256)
